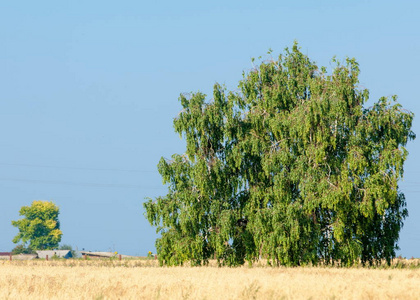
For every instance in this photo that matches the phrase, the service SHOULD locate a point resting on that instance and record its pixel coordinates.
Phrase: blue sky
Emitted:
(89, 90)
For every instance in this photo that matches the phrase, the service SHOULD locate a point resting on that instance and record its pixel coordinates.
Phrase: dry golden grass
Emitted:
(142, 279)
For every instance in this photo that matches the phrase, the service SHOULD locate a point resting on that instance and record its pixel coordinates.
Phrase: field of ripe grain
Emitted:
(78, 279)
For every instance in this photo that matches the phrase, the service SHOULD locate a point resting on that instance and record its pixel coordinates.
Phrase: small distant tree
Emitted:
(40, 228)
(68, 247)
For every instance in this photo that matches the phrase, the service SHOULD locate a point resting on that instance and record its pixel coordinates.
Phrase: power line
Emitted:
(85, 184)
(77, 168)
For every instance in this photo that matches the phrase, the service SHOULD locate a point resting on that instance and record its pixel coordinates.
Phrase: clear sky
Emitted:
(89, 90)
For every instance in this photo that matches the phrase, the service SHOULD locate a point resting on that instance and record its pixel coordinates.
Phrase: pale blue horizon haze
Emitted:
(89, 90)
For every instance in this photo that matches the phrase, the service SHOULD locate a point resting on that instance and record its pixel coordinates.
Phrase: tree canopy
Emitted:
(291, 167)
(40, 228)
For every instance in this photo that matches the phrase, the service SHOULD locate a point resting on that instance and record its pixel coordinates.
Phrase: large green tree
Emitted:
(292, 168)
(40, 228)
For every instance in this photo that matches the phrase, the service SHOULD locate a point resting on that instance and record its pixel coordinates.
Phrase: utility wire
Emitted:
(86, 184)
(76, 168)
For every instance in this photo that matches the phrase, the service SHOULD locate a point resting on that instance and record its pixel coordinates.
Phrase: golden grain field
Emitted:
(143, 279)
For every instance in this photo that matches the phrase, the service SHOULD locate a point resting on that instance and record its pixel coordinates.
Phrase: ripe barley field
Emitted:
(144, 279)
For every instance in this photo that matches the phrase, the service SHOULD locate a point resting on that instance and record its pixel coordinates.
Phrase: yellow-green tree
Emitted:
(40, 228)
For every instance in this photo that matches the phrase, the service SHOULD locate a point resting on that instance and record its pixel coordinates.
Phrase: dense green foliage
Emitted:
(39, 228)
(21, 249)
(292, 168)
